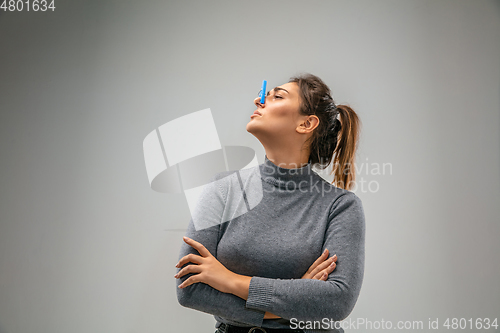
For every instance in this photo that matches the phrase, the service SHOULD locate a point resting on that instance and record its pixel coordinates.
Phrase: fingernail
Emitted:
(334, 256)
(185, 238)
(332, 264)
(176, 275)
(325, 251)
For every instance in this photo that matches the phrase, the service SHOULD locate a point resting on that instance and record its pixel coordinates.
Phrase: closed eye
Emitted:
(276, 96)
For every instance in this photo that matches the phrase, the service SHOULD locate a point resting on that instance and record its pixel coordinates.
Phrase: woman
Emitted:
(295, 260)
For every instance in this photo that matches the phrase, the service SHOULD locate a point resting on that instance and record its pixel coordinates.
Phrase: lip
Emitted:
(256, 113)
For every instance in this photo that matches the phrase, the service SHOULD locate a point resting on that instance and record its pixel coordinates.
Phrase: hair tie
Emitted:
(336, 125)
(333, 109)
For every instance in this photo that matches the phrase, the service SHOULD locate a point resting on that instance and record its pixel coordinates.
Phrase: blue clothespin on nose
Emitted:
(263, 92)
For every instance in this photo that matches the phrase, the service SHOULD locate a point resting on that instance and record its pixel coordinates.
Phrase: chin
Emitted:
(249, 126)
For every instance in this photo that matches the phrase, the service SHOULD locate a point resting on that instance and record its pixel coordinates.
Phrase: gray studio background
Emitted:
(87, 246)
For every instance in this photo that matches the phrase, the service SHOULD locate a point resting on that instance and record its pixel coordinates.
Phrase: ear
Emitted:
(308, 124)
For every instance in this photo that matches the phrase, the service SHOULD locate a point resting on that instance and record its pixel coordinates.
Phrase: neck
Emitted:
(289, 178)
(288, 161)
(287, 157)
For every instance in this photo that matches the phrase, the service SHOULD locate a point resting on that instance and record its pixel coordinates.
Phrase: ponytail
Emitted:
(344, 169)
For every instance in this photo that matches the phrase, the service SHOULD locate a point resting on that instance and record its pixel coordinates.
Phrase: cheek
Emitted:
(284, 116)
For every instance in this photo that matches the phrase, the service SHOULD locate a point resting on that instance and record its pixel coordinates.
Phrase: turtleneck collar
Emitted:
(289, 179)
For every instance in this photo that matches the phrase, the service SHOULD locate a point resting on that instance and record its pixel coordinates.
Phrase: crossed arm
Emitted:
(207, 269)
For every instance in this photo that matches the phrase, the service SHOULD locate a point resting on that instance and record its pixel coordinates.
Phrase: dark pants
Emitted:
(223, 329)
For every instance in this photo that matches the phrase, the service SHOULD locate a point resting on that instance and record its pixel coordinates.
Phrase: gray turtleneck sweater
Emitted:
(272, 223)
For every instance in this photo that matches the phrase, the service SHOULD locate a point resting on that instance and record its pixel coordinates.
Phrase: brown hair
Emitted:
(333, 139)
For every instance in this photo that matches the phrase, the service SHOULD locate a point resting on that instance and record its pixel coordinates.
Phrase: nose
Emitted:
(258, 103)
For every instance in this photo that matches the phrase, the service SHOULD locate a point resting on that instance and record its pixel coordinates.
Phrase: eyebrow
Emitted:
(276, 89)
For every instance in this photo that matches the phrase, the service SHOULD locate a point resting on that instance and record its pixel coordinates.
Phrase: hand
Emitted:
(210, 271)
(321, 268)
(269, 315)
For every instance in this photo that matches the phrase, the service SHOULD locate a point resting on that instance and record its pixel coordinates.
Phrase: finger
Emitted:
(318, 261)
(318, 275)
(327, 269)
(190, 280)
(324, 276)
(330, 268)
(195, 259)
(197, 246)
(188, 269)
(324, 265)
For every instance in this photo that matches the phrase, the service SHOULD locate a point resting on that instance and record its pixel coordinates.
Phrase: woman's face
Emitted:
(279, 115)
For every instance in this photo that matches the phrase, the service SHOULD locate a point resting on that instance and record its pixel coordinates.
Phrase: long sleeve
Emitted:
(200, 296)
(306, 299)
